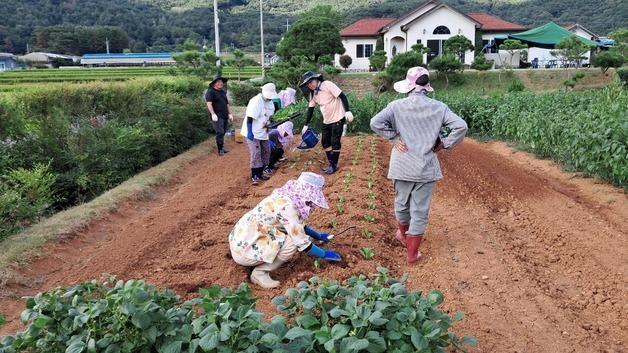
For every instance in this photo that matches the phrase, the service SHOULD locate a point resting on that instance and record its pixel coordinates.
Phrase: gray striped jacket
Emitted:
(416, 121)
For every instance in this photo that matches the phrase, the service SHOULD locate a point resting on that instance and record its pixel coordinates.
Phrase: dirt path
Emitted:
(536, 259)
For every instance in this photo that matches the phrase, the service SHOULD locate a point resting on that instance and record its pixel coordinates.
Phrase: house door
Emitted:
(435, 48)
(2, 67)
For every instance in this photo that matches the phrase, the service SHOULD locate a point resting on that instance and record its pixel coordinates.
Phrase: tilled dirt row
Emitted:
(536, 259)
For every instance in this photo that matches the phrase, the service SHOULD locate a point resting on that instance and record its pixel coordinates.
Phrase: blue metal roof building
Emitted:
(128, 59)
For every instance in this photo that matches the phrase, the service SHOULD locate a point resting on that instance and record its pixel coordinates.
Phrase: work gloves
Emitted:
(318, 236)
(321, 253)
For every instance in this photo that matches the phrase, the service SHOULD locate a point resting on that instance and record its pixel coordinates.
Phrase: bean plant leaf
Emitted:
(269, 339)
(76, 347)
(91, 346)
(419, 342)
(209, 342)
(307, 321)
(172, 347)
(435, 297)
(296, 332)
(469, 340)
(339, 331)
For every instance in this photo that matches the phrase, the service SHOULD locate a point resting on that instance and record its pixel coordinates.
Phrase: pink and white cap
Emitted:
(410, 83)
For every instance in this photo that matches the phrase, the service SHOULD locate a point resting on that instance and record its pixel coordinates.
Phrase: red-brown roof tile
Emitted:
(492, 23)
(366, 27)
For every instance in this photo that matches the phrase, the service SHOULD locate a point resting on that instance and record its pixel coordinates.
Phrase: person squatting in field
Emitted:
(218, 106)
(255, 129)
(272, 232)
(414, 124)
(335, 110)
(279, 139)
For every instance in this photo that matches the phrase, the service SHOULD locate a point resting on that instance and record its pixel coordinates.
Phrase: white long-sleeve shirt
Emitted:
(416, 121)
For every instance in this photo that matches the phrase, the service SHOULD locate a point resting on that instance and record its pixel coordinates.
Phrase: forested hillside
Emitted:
(165, 24)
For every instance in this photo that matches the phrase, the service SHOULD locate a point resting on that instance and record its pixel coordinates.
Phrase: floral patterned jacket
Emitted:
(261, 232)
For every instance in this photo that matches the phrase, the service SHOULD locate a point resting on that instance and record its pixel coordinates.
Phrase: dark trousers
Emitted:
(275, 155)
(221, 126)
(332, 133)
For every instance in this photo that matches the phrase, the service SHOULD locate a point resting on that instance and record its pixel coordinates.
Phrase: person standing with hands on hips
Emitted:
(336, 113)
(255, 130)
(414, 124)
(218, 106)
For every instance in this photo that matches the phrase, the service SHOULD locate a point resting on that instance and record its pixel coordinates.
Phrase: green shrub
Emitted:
(446, 65)
(133, 316)
(516, 85)
(242, 92)
(622, 73)
(608, 59)
(94, 136)
(25, 195)
(481, 63)
(331, 70)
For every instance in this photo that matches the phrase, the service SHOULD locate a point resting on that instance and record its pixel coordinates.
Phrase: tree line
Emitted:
(161, 25)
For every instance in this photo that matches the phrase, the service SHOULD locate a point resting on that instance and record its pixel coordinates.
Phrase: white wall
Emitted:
(350, 44)
(457, 24)
(501, 59)
(395, 31)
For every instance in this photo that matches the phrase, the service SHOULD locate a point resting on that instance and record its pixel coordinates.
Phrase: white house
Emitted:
(430, 24)
(359, 40)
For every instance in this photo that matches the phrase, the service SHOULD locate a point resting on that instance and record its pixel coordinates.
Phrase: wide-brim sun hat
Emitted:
(309, 76)
(269, 91)
(417, 78)
(218, 78)
(314, 183)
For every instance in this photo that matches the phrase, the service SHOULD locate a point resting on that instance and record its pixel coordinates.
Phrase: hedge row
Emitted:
(586, 131)
(62, 145)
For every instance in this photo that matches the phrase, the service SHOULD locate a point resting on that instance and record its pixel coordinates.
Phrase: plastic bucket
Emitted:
(308, 140)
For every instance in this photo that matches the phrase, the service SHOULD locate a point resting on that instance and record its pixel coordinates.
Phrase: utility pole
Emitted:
(261, 29)
(107, 44)
(287, 25)
(217, 37)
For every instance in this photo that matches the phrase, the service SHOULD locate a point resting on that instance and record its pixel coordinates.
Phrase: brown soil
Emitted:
(536, 258)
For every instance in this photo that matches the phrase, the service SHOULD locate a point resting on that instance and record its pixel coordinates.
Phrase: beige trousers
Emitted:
(286, 253)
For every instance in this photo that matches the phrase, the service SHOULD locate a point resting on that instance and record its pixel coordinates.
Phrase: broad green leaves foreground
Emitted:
(363, 315)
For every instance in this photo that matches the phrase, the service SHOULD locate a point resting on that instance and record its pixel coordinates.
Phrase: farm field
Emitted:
(16, 79)
(533, 256)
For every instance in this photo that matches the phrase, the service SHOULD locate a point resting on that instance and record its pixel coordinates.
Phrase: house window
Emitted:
(394, 50)
(418, 41)
(441, 30)
(364, 50)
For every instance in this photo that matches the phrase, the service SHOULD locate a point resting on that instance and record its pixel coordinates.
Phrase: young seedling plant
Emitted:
(367, 233)
(371, 205)
(333, 223)
(369, 217)
(341, 208)
(367, 253)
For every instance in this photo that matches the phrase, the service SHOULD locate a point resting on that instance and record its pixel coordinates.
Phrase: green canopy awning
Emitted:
(547, 36)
